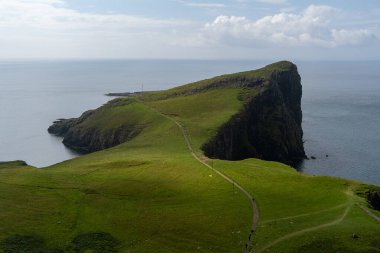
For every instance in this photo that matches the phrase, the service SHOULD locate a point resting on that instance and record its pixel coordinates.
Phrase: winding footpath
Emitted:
(369, 213)
(304, 214)
(255, 209)
(306, 230)
(349, 206)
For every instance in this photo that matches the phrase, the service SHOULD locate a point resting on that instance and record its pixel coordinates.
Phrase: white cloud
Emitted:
(313, 26)
(50, 29)
(352, 37)
(204, 5)
(273, 1)
(53, 14)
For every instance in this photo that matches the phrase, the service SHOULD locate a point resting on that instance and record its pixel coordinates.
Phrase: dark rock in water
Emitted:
(269, 125)
(373, 198)
(123, 94)
(62, 126)
(313, 157)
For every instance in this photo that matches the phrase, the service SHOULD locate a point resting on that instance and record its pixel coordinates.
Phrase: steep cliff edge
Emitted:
(269, 124)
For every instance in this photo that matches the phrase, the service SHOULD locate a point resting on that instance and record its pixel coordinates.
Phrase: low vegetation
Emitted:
(95, 242)
(149, 194)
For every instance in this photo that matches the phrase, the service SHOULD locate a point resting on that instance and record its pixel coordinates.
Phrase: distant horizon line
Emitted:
(182, 59)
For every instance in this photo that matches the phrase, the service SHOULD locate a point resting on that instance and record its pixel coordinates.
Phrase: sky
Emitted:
(190, 29)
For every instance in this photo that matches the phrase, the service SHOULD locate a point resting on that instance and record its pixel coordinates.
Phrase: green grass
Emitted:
(13, 165)
(117, 113)
(151, 195)
(202, 113)
(291, 202)
(263, 73)
(338, 238)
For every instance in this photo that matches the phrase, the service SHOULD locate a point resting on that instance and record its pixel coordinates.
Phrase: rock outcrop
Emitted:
(269, 125)
(373, 198)
(85, 138)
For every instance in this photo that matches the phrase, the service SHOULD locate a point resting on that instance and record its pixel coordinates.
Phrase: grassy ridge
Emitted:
(202, 113)
(259, 74)
(151, 195)
(117, 113)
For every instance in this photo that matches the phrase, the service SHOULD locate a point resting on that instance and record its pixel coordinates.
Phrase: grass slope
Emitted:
(148, 193)
(151, 195)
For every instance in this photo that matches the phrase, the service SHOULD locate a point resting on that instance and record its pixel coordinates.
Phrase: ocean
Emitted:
(341, 106)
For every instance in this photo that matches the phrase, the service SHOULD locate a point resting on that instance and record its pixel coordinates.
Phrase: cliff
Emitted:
(98, 129)
(269, 124)
(373, 198)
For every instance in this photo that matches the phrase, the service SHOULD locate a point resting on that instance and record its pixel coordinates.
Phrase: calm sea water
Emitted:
(341, 106)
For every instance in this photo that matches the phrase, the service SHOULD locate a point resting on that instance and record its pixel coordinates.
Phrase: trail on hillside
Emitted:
(255, 209)
(304, 214)
(306, 230)
(368, 212)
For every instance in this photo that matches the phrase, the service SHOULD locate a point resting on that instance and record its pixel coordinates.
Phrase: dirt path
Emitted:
(255, 210)
(304, 214)
(306, 230)
(367, 211)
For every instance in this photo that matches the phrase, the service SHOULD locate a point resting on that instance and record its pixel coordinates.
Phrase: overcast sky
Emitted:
(249, 29)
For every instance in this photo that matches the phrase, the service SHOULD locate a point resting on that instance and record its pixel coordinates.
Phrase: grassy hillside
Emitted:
(150, 194)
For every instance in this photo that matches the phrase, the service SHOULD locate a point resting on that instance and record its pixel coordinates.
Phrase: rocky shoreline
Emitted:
(86, 139)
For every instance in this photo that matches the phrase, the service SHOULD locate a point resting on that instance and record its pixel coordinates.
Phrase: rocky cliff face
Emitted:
(269, 125)
(85, 139)
(373, 198)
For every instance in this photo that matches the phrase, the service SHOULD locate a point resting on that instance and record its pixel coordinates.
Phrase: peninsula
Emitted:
(197, 168)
